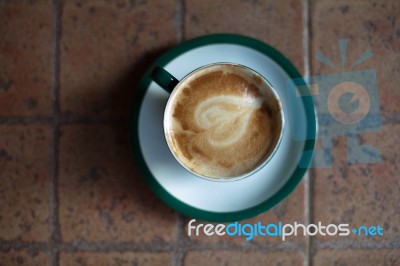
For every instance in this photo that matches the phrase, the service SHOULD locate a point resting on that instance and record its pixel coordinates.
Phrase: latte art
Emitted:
(225, 118)
(222, 122)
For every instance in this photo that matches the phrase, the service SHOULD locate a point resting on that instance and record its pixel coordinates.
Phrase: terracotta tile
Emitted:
(233, 258)
(290, 210)
(115, 258)
(366, 25)
(25, 56)
(24, 182)
(105, 49)
(361, 194)
(278, 23)
(102, 195)
(357, 257)
(23, 257)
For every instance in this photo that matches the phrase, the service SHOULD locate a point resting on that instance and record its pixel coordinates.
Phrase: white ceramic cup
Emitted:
(175, 87)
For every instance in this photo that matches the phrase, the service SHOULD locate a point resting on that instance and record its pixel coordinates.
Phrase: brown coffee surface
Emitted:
(223, 123)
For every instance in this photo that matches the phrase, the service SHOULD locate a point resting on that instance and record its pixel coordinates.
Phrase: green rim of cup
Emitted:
(170, 199)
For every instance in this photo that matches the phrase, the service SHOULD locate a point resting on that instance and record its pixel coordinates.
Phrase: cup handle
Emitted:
(164, 79)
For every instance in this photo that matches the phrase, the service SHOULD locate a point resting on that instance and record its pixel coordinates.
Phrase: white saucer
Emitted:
(221, 201)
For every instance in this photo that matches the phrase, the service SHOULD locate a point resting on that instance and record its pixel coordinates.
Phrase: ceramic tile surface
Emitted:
(233, 258)
(104, 46)
(23, 257)
(102, 197)
(359, 194)
(25, 58)
(70, 191)
(263, 20)
(115, 258)
(24, 185)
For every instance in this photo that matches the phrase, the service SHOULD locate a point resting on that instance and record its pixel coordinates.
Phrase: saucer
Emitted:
(222, 201)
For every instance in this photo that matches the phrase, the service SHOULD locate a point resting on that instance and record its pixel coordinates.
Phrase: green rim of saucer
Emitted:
(171, 200)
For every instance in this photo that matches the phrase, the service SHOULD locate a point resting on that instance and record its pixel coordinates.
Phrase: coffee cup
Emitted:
(222, 122)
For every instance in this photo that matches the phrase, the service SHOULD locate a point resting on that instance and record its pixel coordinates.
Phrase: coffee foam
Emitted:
(222, 122)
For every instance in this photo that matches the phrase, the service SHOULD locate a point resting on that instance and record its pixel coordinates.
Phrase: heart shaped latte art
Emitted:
(225, 119)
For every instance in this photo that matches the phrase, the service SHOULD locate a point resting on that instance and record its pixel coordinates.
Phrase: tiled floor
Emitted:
(70, 193)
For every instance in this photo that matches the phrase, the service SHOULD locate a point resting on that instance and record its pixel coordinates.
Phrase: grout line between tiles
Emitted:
(306, 37)
(307, 216)
(190, 245)
(56, 56)
(292, 246)
(18, 245)
(393, 119)
(26, 120)
(357, 244)
(55, 229)
(183, 247)
(118, 247)
(60, 120)
(180, 20)
(178, 250)
(307, 178)
(55, 237)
